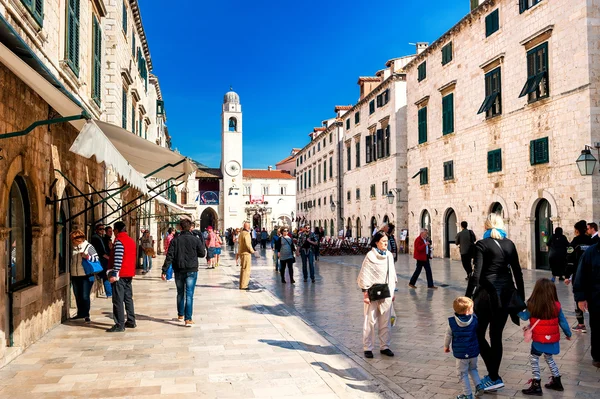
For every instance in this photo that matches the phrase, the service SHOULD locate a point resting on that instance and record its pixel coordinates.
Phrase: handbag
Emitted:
(510, 297)
(380, 291)
(90, 267)
(528, 332)
(293, 256)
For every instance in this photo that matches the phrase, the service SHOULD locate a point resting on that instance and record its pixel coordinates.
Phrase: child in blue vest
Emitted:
(545, 318)
(462, 333)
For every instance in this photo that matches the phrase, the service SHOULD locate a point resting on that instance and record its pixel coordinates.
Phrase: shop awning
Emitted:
(168, 203)
(149, 159)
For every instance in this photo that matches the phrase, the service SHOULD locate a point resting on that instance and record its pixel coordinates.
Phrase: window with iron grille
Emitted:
(537, 85)
(538, 151)
(492, 104)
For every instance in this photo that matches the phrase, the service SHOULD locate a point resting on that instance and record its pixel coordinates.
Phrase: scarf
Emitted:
(488, 233)
(374, 271)
(380, 252)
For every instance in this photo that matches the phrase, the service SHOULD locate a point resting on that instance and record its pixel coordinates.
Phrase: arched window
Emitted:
(358, 228)
(19, 222)
(232, 124)
(426, 221)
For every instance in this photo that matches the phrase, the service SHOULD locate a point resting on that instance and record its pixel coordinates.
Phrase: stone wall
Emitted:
(563, 117)
(44, 304)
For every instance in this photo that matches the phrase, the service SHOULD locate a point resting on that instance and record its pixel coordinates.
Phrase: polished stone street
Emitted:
(278, 340)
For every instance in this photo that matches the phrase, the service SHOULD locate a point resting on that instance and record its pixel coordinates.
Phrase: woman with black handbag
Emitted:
(285, 249)
(377, 279)
(494, 293)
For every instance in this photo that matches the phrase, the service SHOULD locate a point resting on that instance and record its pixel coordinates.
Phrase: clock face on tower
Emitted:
(232, 168)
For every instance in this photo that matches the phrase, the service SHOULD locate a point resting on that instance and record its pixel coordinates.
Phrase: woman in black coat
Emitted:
(558, 244)
(494, 294)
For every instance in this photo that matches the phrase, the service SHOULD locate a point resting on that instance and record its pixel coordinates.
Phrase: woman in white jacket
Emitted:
(82, 283)
(377, 268)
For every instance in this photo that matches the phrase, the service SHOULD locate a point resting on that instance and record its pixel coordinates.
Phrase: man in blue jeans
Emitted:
(183, 255)
(306, 240)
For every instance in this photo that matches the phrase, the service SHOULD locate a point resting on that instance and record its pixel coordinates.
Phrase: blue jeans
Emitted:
(186, 283)
(147, 265)
(82, 287)
(307, 254)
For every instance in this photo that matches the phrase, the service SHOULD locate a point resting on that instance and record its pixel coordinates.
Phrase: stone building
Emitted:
(318, 181)
(288, 164)
(499, 109)
(55, 94)
(374, 152)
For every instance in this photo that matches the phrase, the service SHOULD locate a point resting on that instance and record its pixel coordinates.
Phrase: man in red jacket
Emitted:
(421, 254)
(120, 274)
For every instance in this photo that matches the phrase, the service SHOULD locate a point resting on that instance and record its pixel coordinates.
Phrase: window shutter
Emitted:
(97, 60)
(38, 11)
(132, 44)
(124, 110)
(387, 141)
(422, 125)
(125, 18)
(368, 149)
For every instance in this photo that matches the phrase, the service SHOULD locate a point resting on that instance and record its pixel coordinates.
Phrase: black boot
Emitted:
(555, 384)
(534, 389)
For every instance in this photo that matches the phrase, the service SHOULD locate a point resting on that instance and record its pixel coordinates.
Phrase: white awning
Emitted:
(168, 203)
(92, 141)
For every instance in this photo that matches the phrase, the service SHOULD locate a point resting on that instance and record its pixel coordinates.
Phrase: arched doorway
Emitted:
(386, 219)
(543, 229)
(426, 221)
(358, 228)
(331, 230)
(373, 225)
(450, 231)
(208, 218)
(497, 209)
(325, 227)
(257, 221)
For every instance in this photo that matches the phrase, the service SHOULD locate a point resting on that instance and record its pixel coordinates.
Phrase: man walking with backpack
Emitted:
(183, 255)
(465, 239)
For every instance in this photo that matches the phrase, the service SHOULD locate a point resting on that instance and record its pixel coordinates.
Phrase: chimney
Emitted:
(475, 4)
(270, 168)
(421, 46)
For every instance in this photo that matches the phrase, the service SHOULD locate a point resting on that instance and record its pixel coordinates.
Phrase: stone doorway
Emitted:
(543, 230)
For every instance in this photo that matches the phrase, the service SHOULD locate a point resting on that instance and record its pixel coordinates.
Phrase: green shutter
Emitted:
(97, 61)
(132, 117)
(448, 114)
(422, 125)
(494, 161)
(132, 44)
(124, 110)
(72, 38)
(447, 53)
(538, 151)
(423, 176)
(125, 18)
(492, 22)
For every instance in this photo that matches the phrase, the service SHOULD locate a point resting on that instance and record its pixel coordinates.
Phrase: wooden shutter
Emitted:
(125, 18)
(97, 61)
(422, 125)
(380, 145)
(448, 114)
(387, 141)
(357, 151)
(368, 148)
(72, 39)
(124, 110)
(38, 11)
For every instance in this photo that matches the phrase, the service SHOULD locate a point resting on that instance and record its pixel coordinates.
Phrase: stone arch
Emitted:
(208, 217)
(500, 200)
(534, 201)
(536, 198)
(232, 124)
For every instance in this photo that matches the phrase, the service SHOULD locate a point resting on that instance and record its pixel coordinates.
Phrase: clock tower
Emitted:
(232, 205)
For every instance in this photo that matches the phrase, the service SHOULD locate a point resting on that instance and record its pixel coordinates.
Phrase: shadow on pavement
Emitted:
(93, 324)
(296, 345)
(279, 310)
(352, 374)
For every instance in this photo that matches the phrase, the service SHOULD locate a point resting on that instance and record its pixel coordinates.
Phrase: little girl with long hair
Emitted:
(545, 316)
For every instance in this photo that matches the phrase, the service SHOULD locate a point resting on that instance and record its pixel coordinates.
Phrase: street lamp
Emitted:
(390, 197)
(332, 206)
(586, 162)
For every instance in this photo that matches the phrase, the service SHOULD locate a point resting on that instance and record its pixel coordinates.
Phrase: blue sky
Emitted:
(290, 62)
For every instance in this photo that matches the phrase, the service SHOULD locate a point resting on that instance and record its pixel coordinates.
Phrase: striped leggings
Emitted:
(534, 359)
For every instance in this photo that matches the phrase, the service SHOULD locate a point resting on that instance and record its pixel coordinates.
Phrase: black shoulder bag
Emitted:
(380, 291)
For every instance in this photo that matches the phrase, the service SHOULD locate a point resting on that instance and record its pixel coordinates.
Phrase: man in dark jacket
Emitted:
(592, 231)
(575, 250)
(586, 288)
(465, 239)
(99, 245)
(183, 254)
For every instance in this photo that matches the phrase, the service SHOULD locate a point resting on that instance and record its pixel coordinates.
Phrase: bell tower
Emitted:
(232, 204)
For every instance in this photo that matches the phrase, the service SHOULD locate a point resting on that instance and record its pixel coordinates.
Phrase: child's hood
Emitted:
(463, 320)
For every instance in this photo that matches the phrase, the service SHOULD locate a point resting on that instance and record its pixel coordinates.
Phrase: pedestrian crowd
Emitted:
(494, 295)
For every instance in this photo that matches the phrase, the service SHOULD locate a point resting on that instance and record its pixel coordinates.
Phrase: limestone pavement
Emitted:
(244, 345)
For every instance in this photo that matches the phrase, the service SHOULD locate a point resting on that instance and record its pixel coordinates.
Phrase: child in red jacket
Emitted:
(545, 317)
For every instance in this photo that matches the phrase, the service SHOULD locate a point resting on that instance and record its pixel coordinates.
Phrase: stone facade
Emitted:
(318, 180)
(270, 198)
(37, 165)
(533, 191)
